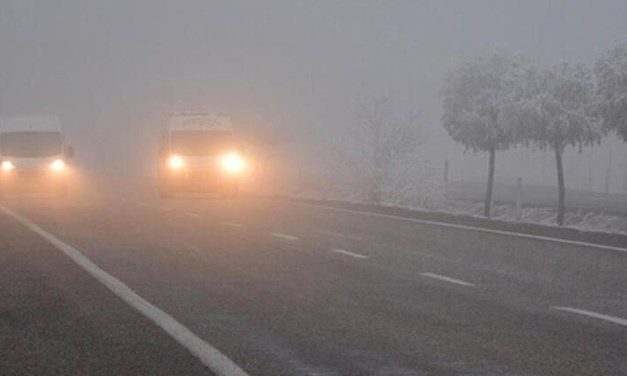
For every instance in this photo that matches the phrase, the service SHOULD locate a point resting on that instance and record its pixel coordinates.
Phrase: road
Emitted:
(288, 289)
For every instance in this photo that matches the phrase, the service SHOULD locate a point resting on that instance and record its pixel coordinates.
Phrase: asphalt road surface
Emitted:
(287, 289)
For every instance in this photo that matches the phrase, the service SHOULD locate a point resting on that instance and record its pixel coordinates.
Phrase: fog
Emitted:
(297, 70)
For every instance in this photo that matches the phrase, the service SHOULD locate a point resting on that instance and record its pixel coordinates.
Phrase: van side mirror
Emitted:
(69, 151)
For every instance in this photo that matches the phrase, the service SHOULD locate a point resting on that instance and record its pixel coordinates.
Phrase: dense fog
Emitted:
(298, 78)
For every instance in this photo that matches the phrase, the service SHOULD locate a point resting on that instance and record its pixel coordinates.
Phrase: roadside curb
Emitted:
(600, 239)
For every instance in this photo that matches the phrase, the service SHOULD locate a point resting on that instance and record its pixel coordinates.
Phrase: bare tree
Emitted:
(555, 113)
(381, 137)
(476, 96)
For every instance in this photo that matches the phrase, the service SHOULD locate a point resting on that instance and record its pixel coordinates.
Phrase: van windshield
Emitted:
(31, 144)
(197, 143)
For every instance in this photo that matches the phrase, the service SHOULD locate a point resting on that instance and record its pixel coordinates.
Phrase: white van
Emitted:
(198, 153)
(33, 155)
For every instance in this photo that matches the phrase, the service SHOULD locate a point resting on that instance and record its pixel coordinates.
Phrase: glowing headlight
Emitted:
(7, 165)
(232, 163)
(58, 165)
(175, 162)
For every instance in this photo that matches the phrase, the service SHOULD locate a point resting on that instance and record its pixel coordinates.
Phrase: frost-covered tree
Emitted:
(367, 155)
(554, 112)
(381, 138)
(476, 97)
(611, 77)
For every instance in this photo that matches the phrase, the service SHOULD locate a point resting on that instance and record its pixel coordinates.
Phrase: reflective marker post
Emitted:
(519, 198)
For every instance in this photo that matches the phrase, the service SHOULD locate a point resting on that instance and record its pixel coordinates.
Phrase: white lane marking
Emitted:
(349, 253)
(448, 279)
(465, 227)
(232, 224)
(338, 234)
(612, 319)
(195, 215)
(208, 355)
(284, 236)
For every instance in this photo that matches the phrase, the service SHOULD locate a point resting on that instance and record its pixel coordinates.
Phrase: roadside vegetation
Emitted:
(496, 102)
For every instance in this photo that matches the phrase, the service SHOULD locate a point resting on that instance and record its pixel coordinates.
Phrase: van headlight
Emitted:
(232, 163)
(7, 165)
(58, 165)
(175, 162)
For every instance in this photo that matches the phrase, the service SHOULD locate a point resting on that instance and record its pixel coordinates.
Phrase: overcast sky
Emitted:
(296, 64)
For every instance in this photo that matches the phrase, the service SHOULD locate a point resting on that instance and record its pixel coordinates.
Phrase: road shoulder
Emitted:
(56, 319)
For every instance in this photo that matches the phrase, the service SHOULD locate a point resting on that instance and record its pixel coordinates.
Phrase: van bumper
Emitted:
(197, 181)
(18, 180)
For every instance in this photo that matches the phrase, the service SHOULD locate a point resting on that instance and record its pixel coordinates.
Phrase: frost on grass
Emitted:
(579, 219)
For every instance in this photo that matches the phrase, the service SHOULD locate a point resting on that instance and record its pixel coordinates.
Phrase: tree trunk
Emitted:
(490, 187)
(561, 196)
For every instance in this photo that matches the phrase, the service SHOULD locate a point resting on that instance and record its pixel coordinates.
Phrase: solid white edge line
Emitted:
(196, 215)
(208, 355)
(284, 236)
(465, 227)
(349, 253)
(448, 279)
(612, 319)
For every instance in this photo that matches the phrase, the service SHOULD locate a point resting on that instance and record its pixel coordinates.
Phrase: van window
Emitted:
(196, 143)
(31, 144)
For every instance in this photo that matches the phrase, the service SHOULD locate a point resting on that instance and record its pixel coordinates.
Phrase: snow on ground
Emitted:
(580, 219)
(584, 220)
(418, 189)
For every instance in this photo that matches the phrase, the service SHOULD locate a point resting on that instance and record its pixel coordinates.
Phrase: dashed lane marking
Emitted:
(600, 316)
(348, 253)
(233, 224)
(284, 236)
(338, 235)
(448, 279)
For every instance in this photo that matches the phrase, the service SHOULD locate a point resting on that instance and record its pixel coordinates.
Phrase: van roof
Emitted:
(30, 123)
(198, 120)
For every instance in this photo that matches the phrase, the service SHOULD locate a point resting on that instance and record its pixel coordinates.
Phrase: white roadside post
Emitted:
(519, 199)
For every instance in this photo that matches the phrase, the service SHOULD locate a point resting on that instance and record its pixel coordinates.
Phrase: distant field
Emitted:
(541, 196)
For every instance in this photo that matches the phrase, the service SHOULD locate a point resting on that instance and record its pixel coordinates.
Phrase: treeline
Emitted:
(492, 103)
